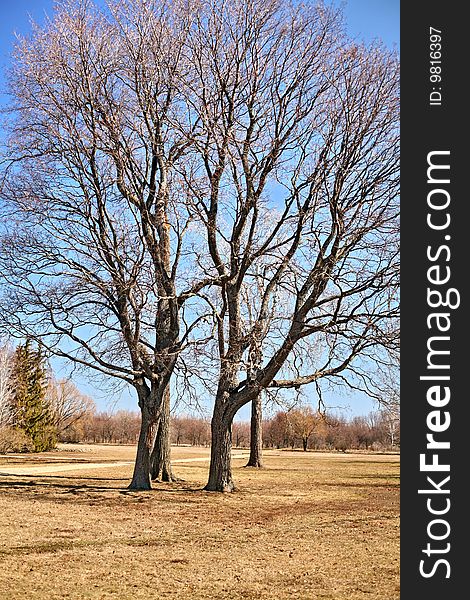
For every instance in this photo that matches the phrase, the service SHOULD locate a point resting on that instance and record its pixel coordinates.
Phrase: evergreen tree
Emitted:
(32, 413)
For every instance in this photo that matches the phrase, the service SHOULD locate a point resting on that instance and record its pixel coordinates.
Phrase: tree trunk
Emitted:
(305, 443)
(220, 470)
(148, 428)
(160, 463)
(256, 434)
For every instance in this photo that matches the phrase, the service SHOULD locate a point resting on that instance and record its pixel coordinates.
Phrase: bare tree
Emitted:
(389, 380)
(277, 430)
(6, 389)
(391, 417)
(91, 256)
(121, 427)
(241, 434)
(125, 429)
(67, 404)
(194, 430)
(363, 430)
(304, 421)
(295, 170)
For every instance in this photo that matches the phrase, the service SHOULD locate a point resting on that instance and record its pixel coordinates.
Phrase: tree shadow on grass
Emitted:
(383, 476)
(62, 489)
(382, 463)
(69, 477)
(365, 485)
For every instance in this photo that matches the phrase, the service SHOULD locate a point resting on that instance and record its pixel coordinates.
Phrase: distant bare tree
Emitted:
(339, 435)
(126, 429)
(6, 390)
(67, 404)
(363, 431)
(241, 434)
(277, 430)
(192, 430)
(304, 421)
(390, 402)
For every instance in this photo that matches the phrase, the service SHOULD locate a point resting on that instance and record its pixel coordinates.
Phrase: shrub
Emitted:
(14, 440)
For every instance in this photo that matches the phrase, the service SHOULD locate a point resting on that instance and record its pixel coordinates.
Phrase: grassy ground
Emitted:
(309, 526)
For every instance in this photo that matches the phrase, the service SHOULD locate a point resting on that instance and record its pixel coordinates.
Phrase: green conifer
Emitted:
(31, 412)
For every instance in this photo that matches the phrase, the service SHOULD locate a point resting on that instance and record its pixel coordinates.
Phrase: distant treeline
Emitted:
(37, 410)
(298, 428)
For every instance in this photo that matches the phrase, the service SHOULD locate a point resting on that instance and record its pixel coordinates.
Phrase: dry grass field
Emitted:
(309, 526)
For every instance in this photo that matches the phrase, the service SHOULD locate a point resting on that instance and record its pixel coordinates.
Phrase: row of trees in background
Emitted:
(298, 428)
(379, 430)
(37, 410)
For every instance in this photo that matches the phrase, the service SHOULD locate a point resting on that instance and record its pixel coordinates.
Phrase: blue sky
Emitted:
(369, 19)
(366, 20)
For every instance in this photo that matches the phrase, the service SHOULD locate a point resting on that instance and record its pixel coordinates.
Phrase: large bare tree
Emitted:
(294, 176)
(95, 226)
(166, 157)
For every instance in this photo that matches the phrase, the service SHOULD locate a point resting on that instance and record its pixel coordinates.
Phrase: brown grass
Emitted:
(309, 526)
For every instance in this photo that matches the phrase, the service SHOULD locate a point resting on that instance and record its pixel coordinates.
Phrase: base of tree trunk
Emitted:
(164, 478)
(225, 488)
(256, 464)
(139, 486)
(160, 462)
(167, 478)
(141, 476)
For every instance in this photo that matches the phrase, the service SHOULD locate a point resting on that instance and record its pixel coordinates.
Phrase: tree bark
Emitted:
(160, 462)
(148, 428)
(220, 470)
(256, 434)
(305, 443)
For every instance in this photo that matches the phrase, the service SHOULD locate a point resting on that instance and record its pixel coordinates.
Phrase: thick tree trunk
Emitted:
(256, 434)
(141, 476)
(160, 462)
(220, 470)
(305, 443)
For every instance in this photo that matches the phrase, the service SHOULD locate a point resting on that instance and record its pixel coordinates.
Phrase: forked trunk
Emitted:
(160, 462)
(256, 434)
(220, 470)
(141, 476)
